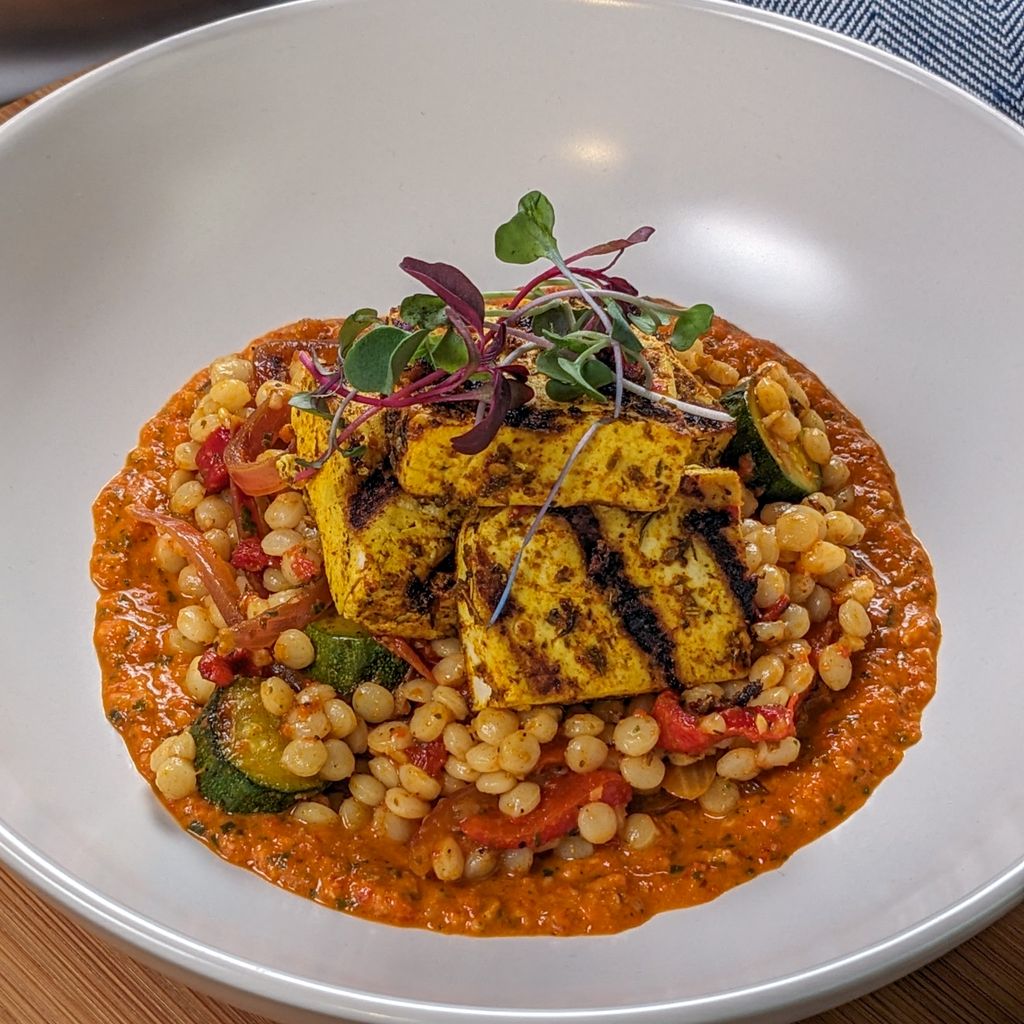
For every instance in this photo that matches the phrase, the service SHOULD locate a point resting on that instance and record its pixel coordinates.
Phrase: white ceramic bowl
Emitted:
(172, 205)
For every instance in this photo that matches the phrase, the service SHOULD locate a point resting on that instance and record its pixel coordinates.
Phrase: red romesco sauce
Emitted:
(851, 740)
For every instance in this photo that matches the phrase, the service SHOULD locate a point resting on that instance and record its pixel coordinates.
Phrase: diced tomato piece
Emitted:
(681, 731)
(562, 796)
(216, 668)
(250, 556)
(303, 567)
(431, 757)
(210, 460)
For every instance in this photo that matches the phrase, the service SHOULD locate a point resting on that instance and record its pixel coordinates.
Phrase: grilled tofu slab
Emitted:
(634, 462)
(686, 562)
(608, 602)
(387, 554)
(559, 639)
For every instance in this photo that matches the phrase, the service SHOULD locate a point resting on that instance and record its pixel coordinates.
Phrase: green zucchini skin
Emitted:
(774, 469)
(346, 655)
(238, 749)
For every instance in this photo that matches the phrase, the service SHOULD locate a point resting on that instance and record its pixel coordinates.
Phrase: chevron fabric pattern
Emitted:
(976, 44)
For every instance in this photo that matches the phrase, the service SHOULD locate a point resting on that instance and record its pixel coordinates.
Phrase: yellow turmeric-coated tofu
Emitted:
(559, 639)
(384, 550)
(686, 562)
(633, 462)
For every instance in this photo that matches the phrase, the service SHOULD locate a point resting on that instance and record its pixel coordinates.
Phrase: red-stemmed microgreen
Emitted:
(579, 323)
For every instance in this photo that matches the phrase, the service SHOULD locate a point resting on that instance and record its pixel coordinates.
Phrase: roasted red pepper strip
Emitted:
(561, 797)
(210, 460)
(774, 611)
(404, 650)
(552, 753)
(681, 732)
(431, 757)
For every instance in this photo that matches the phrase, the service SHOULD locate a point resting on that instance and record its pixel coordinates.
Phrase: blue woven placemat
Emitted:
(976, 44)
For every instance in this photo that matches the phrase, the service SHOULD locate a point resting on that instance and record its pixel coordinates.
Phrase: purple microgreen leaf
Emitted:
(519, 394)
(617, 245)
(541, 512)
(376, 359)
(482, 433)
(529, 234)
(619, 284)
(452, 285)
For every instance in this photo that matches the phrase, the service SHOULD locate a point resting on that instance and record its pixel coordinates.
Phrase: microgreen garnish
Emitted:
(576, 322)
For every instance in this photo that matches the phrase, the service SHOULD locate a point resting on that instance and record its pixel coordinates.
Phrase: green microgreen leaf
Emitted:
(357, 451)
(307, 401)
(422, 310)
(690, 325)
(588, 374)
(445, 351)
(621, 331)
(548, 364)
(559, 391)
(353, 325)
(579, 341)
(648, 320)
(529, 235)
(378, 357)
(557, 320)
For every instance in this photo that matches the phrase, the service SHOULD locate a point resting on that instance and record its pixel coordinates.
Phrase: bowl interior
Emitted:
(277, 166)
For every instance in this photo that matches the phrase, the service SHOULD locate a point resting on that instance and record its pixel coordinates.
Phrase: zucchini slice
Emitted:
(238, 754)
(776, 470)
(346, 655)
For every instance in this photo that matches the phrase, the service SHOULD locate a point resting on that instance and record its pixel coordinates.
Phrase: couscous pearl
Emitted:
(405, 805)
(385, 771)
(367, 790)
(635, 735)
(277, 542)
(448, 861)
(176, 778)
(197, 686)
(597, 822)
(520, 799)
(341, 717)
(294, 649)
(340, 761)
(373, 702)
(639, 831)
(194, 624)
(309, 812)
(276, 695)
(416, 781)
(585, 753)
(304, 757)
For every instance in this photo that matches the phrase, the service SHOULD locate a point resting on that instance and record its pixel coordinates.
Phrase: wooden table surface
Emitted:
(53, 972)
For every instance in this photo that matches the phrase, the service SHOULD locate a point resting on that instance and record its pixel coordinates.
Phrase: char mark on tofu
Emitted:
(426, 595)
(371, 497)
(560, 640)
(608, 571)
(687, 575)
(711, 524)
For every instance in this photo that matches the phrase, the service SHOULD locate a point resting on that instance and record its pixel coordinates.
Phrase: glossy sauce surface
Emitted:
(851, 740)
